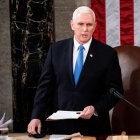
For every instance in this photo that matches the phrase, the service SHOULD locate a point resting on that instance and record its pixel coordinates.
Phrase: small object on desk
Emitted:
(117, 137)
(123, 133)
(63, 137)
(4, 131)
(42, 134)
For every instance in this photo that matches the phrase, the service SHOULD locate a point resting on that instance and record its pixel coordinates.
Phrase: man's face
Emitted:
(83, 27)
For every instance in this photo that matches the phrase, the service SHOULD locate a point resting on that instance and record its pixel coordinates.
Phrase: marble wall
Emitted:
(32, 31)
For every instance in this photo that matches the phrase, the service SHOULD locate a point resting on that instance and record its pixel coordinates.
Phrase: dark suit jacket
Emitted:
(57, 90)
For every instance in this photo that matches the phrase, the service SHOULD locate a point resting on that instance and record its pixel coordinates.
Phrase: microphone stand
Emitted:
(117, 94)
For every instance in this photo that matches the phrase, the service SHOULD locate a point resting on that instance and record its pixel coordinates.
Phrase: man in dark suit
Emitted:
(58, 89)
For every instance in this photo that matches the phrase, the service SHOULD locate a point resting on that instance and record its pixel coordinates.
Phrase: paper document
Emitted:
(63, 137)
(59, 115)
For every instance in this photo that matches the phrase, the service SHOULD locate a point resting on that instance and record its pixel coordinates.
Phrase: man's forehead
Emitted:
(84, 17)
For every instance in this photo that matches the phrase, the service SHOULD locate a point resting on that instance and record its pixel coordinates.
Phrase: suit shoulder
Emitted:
(103, 47)
(62, 42)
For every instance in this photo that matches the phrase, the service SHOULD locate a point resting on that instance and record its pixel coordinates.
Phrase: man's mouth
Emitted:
(83, 35)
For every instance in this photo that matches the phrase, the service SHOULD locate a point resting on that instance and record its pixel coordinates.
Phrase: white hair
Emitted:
(83, 9)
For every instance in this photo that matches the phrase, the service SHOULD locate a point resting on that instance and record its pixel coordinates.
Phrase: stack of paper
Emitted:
(64, 115)
(4, 125)
(63, 137)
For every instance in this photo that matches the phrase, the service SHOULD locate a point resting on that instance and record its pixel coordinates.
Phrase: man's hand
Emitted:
(87, 112)
(34, 126)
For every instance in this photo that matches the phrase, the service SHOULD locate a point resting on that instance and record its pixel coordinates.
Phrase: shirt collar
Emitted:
(86, 45)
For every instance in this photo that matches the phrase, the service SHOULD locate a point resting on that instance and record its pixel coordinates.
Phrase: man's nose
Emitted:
(85, 27)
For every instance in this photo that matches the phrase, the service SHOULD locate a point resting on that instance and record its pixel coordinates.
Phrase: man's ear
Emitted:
(71, 23)
(95, 25)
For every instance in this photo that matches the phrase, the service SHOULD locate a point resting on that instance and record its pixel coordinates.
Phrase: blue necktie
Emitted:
(79, 64)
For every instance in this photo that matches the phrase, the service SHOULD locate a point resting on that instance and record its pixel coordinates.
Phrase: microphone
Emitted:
(120, 96)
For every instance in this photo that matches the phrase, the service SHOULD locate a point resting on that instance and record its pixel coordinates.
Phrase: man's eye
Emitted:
(89, 24)
(80, 24)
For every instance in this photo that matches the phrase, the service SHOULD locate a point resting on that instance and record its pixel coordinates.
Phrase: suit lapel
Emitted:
(70, 60)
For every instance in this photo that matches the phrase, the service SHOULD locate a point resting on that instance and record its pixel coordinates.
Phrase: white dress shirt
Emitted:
(76, 51)
(85, 52)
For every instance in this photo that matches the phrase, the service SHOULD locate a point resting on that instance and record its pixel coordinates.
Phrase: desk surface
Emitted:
(24, 136)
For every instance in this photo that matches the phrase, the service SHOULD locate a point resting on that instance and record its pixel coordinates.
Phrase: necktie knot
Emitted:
(81, 47)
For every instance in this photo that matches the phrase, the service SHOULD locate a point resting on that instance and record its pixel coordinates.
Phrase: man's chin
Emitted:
(85, 40)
